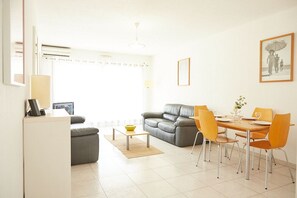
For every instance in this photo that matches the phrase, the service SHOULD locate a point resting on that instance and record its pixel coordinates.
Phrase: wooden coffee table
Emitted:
(130, 134)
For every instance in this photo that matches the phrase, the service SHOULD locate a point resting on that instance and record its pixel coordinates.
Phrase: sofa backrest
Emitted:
(171, 111)
(186, 111)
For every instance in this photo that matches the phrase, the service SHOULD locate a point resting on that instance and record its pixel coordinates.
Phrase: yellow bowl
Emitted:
(130, 127)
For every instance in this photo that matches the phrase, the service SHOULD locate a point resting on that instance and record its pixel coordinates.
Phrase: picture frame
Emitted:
(183, 72)
(277, 59)
(68, 106)
(13, 43)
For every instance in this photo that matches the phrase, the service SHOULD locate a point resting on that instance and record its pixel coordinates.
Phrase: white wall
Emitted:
(11, 115)
(226, 65)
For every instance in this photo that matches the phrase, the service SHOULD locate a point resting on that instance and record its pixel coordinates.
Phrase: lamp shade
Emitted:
(41, 90)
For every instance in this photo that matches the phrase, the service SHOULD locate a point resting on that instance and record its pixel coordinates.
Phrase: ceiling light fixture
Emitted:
(136, 44)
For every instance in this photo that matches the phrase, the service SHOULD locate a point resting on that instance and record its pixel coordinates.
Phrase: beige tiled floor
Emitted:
(173, 175)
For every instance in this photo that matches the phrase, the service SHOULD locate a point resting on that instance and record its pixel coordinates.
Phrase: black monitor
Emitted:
(68, 106)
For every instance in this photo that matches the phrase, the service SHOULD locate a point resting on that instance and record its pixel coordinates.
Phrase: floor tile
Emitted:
(232, 189)
(130, 192)
(169, 171)
(287, 191)
(158, 189)
(146, 176)
(204, 192)
(116, 183)
(185, 183)
(86, 188)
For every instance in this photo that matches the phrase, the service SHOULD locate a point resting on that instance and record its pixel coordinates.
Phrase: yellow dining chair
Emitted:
(277, 139)
(196, 114)
(209, 129)
(263, 114)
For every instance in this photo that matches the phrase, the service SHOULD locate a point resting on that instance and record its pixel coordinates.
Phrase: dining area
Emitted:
(255, 136)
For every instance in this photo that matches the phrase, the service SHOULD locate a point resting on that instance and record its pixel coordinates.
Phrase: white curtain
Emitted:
(106, 94)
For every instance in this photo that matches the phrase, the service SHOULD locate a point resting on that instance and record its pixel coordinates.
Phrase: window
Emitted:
(106, 94)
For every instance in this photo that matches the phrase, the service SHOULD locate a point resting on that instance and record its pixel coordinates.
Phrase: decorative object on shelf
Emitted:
(13, 43)
(239, 103)
(41, 90)
(136, 44)
(183, 72)
(130, 127)
(277, 58)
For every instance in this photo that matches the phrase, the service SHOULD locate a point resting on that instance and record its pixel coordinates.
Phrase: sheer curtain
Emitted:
(106, 94)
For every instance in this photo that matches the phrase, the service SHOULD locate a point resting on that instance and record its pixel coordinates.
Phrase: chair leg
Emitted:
(253, 156)
(239, 161)
(200, 153)
(288, 165)
(259, 160)
(226, 152)
(209, 149)
(219, 157)
(266, 169)
(273, 159)
(232, 149)
(221, 154)
(195, 142)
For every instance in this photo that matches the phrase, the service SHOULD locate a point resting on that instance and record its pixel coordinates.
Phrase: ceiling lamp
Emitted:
(136, 44)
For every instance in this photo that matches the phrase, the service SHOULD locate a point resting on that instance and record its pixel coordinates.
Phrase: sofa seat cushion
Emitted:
(78, 130)
(167, 126)
(153, 122)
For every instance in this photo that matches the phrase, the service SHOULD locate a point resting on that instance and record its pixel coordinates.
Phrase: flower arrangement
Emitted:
(240, 102)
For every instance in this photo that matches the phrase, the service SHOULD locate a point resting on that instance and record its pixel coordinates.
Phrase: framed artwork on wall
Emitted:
(183, 72)
(277, 58)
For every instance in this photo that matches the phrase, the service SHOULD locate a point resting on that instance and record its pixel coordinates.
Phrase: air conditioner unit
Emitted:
(51, 50)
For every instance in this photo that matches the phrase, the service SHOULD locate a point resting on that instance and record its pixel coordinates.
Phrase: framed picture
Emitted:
(277, 58)
(183, 72)
(68, 106)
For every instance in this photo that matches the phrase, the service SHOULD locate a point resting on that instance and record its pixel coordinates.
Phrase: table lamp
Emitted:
(41, 90)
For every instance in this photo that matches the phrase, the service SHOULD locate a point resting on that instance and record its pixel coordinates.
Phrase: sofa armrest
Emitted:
(78, 132)
(181, 121)
(152, 115)
(77, 119)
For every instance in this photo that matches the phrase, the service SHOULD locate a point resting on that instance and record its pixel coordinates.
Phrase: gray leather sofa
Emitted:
(173, 125)
(84, 142)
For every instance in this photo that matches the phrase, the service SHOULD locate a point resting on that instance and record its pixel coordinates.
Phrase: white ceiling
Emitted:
(108, 25)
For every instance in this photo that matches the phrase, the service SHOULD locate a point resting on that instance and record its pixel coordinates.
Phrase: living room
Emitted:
(224, 64)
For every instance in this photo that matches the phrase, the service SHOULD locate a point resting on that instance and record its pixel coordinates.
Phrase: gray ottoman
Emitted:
(84, 142)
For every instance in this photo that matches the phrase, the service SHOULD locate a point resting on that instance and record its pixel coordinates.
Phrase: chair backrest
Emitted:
(279, 130)
(266, 114)
(196, 113)
(208, 125)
